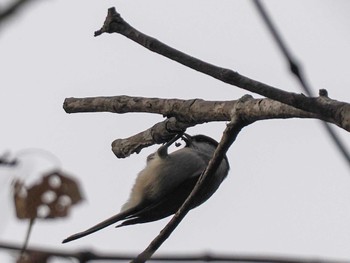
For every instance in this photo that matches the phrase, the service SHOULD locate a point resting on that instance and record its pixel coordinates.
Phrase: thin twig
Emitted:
(114, 23)
(298, 73)
(88, 255)
(11, 9)
(26, 241)
(229, 136)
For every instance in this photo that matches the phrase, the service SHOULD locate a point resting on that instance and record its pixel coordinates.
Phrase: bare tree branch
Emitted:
(230, 134)
(181, 115)
(159, 133)
(88, 255)
(194, 111)
(339, 111)
(12, 8)
(299, 74)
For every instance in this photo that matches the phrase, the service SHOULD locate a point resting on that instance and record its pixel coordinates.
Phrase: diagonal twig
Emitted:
(298, 73)
(229, 136)
(12, 8)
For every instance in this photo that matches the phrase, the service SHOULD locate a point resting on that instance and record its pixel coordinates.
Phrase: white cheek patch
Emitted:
(144, 183)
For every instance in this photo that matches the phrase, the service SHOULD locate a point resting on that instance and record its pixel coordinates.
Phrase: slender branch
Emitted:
(26, 241)
(229, 136)
(114, 23)
(298, 73)
(86, 256)
(293, 65)
(12, 8)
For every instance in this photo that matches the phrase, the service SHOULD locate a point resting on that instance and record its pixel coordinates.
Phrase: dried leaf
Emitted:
(50, 198)
(34, 257)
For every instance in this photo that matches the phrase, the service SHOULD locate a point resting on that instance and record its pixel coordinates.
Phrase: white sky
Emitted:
(288, 189)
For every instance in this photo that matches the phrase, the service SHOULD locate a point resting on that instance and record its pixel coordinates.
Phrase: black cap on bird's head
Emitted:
(200, 141)
(200, 138)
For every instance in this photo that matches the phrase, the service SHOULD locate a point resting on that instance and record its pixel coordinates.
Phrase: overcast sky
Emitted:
(287, 192)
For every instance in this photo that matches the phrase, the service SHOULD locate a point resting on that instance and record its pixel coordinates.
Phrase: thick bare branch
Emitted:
(195, 111)
(159, 133)
(184, 110)
(181, 114)
(338, 111)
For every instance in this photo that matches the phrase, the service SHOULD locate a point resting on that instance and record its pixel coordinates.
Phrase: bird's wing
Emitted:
(166, 206)
(172, 200)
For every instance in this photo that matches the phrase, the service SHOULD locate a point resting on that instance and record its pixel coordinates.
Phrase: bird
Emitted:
(167, 180)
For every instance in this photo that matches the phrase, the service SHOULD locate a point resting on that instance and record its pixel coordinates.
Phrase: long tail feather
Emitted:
(103, 224)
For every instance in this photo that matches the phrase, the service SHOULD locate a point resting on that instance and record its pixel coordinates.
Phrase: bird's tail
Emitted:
(122, 215)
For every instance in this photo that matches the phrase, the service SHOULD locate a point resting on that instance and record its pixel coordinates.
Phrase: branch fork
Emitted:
(182, 114)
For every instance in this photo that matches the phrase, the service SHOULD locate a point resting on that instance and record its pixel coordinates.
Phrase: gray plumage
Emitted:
(165, 183)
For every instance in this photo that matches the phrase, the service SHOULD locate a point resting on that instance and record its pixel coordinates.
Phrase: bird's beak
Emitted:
(187, 138)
